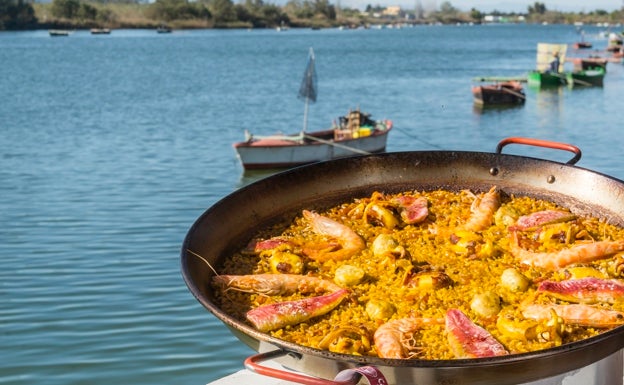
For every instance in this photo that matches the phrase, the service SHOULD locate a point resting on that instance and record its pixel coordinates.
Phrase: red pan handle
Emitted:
(346, 377)
(542, 143)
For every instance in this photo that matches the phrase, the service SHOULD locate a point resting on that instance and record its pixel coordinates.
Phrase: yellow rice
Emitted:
(427, 243)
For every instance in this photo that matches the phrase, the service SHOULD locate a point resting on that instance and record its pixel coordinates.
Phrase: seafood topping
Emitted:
(395, 339)
(576, 314)
(412, 209)
(585, 290)
(541, 218)
(468, 340)
(277, 315)
(274, 284)
(578, 253)
(268, 244)
(349, 243)
(483, 209)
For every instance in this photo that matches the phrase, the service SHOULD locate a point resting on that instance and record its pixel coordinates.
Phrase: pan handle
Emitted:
(542, 143)
(345, 377)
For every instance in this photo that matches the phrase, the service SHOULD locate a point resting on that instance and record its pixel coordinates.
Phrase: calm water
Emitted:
(112, 146)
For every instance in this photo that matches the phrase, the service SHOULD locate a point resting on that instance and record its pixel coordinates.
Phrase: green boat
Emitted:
(545, 79)
(588, 78)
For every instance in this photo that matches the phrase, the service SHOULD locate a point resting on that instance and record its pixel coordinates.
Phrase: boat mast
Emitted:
(307, 90)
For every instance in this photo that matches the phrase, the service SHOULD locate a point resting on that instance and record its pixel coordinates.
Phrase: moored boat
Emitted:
(550, 64)
(58, 32)
(589, 63)
(582, 45)
(355, 134)
(592, 77)
(509, 92)
(100, 31)
(546, 79)
(163, 29)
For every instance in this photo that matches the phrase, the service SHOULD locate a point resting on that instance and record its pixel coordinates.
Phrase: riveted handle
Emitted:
(542, 143)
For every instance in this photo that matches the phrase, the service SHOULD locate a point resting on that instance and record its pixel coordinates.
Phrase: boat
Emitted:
(353, 134)
(588, 78)
(509, 92)
(615, 42)
(588, 63)
(100, 31)
(163, 29)
(548, 55)
(58, 32)
(546, 79)
(582, 45)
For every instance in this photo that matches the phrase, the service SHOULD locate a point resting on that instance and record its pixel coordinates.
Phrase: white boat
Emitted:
(59, 32)
(354, 134)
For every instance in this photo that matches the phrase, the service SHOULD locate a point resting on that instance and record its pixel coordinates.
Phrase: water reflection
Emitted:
(481, 109)
(250, 176)
(548, 100)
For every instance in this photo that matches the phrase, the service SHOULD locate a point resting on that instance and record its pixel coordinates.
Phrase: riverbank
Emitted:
(87, 15)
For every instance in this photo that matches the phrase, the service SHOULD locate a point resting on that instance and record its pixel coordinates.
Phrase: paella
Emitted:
(430, 275)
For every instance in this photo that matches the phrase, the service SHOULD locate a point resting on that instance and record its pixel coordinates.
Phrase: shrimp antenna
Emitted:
(203, 259)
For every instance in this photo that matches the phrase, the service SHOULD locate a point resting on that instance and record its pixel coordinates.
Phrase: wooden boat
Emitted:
(355, 134)
(550, 64)
(546, 79)
(582, 45)
(588, 63)
(163, 29)
(589, 78)
(58, 32)
(100, 31)
(510, 92)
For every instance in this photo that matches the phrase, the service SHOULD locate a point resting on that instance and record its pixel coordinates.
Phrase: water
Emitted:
(113, 145)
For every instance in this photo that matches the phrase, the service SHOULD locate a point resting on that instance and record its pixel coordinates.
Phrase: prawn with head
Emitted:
(482, 210)
(344, 242)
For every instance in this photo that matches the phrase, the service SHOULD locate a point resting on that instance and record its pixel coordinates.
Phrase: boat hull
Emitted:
(586, 78)
(284, 154)
(501, 94)
(545, 79)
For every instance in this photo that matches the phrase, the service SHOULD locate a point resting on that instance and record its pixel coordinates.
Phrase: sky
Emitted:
(491, 5)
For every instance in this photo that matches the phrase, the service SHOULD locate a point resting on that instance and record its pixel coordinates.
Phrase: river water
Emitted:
(112, 145)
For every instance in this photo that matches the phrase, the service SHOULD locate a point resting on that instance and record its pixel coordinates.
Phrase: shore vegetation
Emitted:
(202, 14)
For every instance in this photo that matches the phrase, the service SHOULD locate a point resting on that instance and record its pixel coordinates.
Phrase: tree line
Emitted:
(25, 14)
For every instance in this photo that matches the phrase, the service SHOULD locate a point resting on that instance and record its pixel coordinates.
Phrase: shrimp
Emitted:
(394, 339)
(349, 241)
(483, 208)
(468, 340)
(277, 315)
(585, 290)
(275, 284)
(580, 253)
(577, 314)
